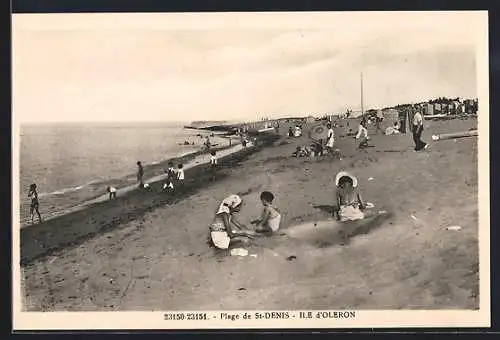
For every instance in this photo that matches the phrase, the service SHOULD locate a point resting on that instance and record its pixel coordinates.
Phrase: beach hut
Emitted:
(390, 115)
(427, 109)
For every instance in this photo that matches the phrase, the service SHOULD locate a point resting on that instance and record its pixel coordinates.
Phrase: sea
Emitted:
(73, 163)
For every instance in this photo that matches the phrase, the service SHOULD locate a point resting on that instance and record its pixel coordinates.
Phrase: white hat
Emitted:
(346, 174)
(230, 202)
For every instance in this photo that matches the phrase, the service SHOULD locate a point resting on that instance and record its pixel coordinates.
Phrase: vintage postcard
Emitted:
(250, 170)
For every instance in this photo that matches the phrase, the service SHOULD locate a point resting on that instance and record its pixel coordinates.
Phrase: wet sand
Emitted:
(189, 161)
(149, 252)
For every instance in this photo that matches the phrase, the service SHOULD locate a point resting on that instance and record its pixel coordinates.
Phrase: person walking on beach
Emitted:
(170, 171)
(140, 174)
(271, 217)
(213, 164)
(330, 141)
(111, 191)
(180, 176)
(33, 194)
(349, 201)
(417, 128)
(224, 228)
(208, 144)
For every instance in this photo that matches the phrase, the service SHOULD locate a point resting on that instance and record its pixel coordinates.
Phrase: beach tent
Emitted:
(390, 116)
(428, 109)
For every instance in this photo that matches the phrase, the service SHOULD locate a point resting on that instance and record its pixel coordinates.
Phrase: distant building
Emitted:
(390, 114)
(469, 105)
(309, 119)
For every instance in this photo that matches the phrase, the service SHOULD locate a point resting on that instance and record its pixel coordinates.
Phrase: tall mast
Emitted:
(362, 108)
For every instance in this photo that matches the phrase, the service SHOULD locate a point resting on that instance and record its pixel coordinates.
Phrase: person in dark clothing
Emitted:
(111, 192)
(140, 174)
(171, 174)
(402, 121)
(417, 129)
(33, 194)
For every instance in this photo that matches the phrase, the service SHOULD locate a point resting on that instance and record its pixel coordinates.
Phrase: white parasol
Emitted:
(319, 132)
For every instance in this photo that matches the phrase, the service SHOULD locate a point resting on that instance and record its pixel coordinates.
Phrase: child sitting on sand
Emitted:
(349, 201)
(168, 186)
(317, 147)
(271, 217)
(362, 134)
(221, 229)
(111, 191)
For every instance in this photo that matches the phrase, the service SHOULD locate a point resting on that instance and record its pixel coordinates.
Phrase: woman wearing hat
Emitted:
(349, 201)
(221, 230)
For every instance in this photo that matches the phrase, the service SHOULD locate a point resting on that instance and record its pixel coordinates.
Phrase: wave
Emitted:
(124, 181)
(67, 190)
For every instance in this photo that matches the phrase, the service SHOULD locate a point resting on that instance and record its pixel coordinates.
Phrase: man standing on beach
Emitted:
(140, 174)
(417, 128)
(213, 164)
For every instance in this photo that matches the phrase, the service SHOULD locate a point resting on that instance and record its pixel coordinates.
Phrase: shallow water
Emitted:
(72, 163)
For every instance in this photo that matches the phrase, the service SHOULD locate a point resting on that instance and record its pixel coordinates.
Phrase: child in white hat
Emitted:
(349, 201)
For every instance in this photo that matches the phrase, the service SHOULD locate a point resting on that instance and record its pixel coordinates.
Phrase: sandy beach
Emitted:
(146, 251)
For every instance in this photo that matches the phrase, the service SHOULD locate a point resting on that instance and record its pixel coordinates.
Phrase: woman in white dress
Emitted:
(330, 141)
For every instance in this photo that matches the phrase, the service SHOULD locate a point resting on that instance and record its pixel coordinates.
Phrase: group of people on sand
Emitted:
(417, 129)
(296, 131)
(174, 175)
(226, 231)
(319, 147)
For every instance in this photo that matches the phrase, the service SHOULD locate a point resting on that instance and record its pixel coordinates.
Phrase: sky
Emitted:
(185, 67)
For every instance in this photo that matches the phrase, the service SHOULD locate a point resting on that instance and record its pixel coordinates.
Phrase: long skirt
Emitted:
(350, 213)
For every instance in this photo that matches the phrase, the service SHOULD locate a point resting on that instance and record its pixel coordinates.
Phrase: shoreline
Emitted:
(122, 184)
(64, 230)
